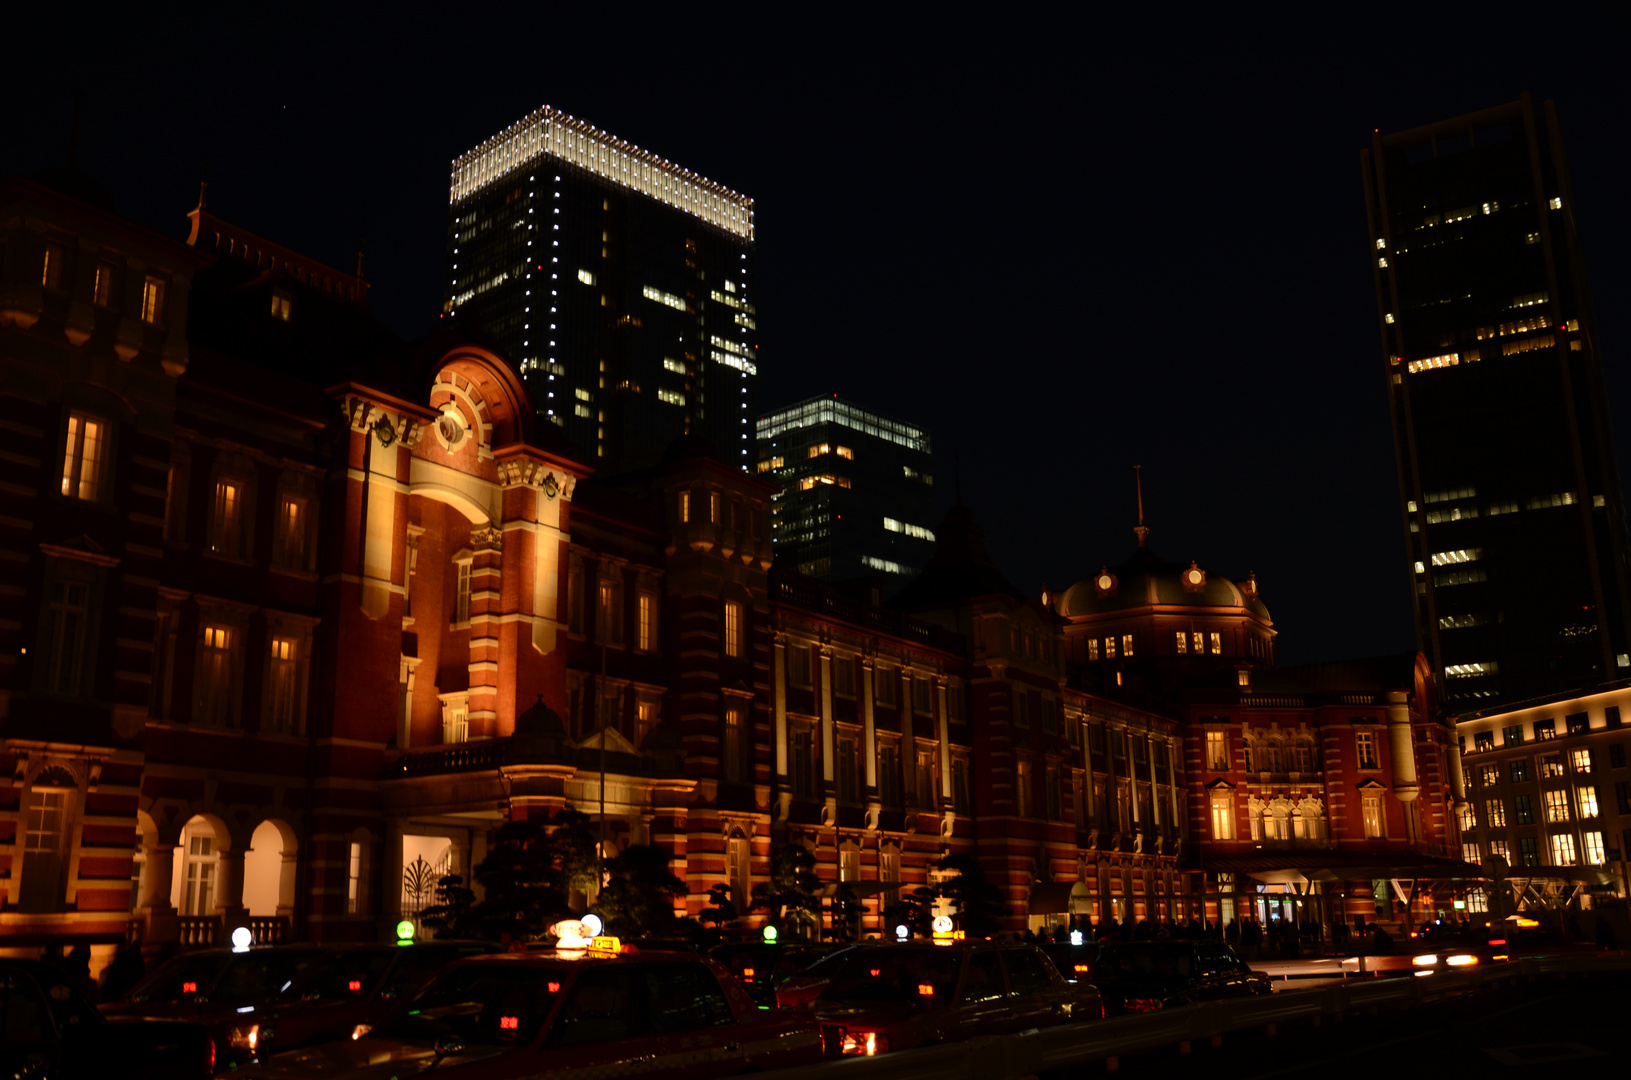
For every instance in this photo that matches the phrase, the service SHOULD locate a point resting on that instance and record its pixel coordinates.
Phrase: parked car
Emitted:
(876, 998)
(1142, 976)
(760, 967)
(49, 1028)
(1075, 962)
(220, 988)
(342, 992)
(512, 1015)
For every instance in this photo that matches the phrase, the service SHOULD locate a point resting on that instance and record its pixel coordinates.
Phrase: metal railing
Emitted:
(1010, 1057)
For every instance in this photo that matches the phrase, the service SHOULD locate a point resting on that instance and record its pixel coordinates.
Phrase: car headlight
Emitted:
(360, 1030)
(1461, 960)
(864, 1043)
(245, 1038)
(1425, 960)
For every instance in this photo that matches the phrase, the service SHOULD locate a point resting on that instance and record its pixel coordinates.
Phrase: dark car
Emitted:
(1142, 976)
(343, 994)
(224, 989)
(48, 1028)
(1075, 962)
(513, 1015)
(876, 998)
(762, 966)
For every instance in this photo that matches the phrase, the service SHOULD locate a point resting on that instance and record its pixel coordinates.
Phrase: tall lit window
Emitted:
(1022, 788)
(803, 764)
(198, 896)
(1109, 648)
(1051, 784)
(1223, 815)
(959, 784)
(734, 750)
(44, 818)
(733, 629)
(1588, 800)
(1556, 804)
(889, 773)
(848, 768)
(1563, 850)
(226, 523)
(152, 300)
(1022, 707)
(63, 635)
(82, 457)
(1199, 639)
(648, 622)
(215, 675)
(51, 269)
(282, 305)
(609, 611)
(353, 883)
(685, 505)
(1580, 760)
(925, 779)
(1217, 750)
(1371, 812)
(456, 718)
(1495, 814)
(645, 720)
(283, 684)
(1093, 648)
(1217, 643)
(292, 531)
(1594, 848)
(1365, 746)
(713, 507)
(1183, 642)
(1126, 645)
(849, 864)
(738, 852)
(102, 288)
(1551, 767)
(1470, 853)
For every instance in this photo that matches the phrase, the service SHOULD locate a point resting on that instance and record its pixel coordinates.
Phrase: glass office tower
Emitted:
(619, 283)
(1509, 493)
(857, 491)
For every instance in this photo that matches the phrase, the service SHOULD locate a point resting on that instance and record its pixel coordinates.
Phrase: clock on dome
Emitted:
(1105, 583)
(1194, 578)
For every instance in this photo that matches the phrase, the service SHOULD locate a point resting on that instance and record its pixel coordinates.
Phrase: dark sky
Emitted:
(1065, 243)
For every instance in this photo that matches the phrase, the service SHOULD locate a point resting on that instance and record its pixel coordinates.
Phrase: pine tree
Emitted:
(639, 899)
(793, 893)
(449, 917)
(979, 903)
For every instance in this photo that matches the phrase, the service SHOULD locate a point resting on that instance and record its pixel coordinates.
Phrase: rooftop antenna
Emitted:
(1140, 530)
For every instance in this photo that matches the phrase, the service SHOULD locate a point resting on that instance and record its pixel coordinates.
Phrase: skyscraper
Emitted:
(1508, 488)
(618, 282)
(858, 490)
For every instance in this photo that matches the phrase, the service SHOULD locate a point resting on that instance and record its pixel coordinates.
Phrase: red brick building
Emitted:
(315, 610)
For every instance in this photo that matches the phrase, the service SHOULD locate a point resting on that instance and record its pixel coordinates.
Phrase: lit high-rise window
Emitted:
(82, 458)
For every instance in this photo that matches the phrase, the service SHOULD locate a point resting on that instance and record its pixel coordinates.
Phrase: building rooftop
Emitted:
(835, 410)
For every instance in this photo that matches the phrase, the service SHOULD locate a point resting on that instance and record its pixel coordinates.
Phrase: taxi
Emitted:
(583, 1014)
(873, 999)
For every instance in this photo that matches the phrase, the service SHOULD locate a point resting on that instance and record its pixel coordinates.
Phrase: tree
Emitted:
(979, 903)
(793, 893)
(914, 909)
(639, 899)
(449, 917)
(847, 910)
(524, 884)
(721, 908)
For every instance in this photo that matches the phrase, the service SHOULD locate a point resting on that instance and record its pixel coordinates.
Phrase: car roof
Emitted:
(555, 957)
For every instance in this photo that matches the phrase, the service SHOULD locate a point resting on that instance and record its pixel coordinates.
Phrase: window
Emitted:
(1093, 648)
(1622, 796)
(1126, 645)
(215, 675)
(1528, 851)
(1053, 793)
(849, 864)
(102, 288)
(1489, 775)
(45, 815)
(1022, 708)
(1523, 810)
(669, 397)
(925, 779)
(1183, 642)
(733, 629)
(735, 748)
(153, 301)
(62, 638)
(282, 305)
(922, 695)
(1577, 723)
(685, 506)
(198, 896)
(1217, 750)
(1545, 730)
(1365, 745)
(885, 680)
(461, 591)
(1223, 815)
(1050, 716)
(959, 784)
(1551, 766)
(353, 883)
(1467, 819)
(1512, 736)
(1109, 648)
(1216, 639)
(803, 764)
(713, 507)
(1499, 847)
(889, 773)
(1200, 643)
(645, 720)
(1483, 740)
(1563, 850)
(455, 718)
(738, 856)
(848, 768)
(283, 679)
(1469, 853)
(82, 457)
(1580, 760)
(609, 611)
(226, 521)
(1495, 814)
(1022, 788)
(1371, 811)
(1595, 855)
(1616, 755)
(1611, 716)
(647, 639)
(1519, 770)
(51, 269)
(843, 676)
(798, 665)
(1586, 798)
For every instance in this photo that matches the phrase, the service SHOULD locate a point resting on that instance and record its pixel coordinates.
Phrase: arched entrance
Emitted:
(269, 870)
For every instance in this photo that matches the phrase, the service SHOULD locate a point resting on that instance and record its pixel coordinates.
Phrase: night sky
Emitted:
(1066, 244)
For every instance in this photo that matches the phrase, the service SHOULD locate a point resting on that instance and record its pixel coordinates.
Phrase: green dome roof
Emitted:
(1146, 580)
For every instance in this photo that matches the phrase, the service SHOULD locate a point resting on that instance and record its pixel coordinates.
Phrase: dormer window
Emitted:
(282, 305)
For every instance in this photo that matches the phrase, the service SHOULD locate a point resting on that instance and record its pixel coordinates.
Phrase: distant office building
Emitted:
(1509, 492)
(858, 491)
(617, 281)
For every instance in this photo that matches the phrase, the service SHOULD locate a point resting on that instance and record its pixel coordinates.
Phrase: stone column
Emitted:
(1401, 742)
(1087, 768)
(229, 892)
(158, 874)
(829, 789)
(1112, 796)
(869, 740)
(1172, 785)
(1155, 784)
(1132, 778)
(778, 700)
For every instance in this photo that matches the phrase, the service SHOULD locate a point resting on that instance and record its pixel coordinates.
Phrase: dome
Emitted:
(1146, 580)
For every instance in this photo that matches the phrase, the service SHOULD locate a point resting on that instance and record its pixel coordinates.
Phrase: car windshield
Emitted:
(180, 979)
(482, 1004)
(258, 976)
(896, 975)
(830, 964)
(353, 973)
(1167, 963)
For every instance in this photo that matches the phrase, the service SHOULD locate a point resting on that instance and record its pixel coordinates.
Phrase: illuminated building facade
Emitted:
(620, 282)
(857, 491)
(1509, 492)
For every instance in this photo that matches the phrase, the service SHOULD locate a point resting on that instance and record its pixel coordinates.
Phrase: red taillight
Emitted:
(1081, 968)
(747, 973)
(554, 988)
(212, 1055)
(1497, 941)
(925, 989)
(509, 1023)
(189, 988)
(354, 985)
(875, 972)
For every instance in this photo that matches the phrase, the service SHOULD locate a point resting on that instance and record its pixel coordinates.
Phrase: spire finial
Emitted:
(1140, 530)
(203, 191)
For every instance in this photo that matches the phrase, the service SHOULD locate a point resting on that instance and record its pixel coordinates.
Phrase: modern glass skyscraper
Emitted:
(618, 282)
(858, 491)
(1509, 492)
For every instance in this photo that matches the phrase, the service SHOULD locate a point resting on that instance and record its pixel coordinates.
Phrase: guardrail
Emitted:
(1010, 1057)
